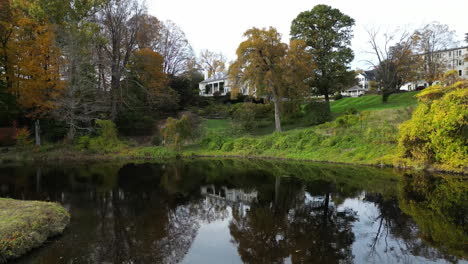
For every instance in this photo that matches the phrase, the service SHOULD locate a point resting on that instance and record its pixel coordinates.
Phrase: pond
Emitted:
(246, 211)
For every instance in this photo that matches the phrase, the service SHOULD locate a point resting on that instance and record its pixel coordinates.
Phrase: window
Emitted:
(459, 53)
(215, 87)
(450, 54)
(207, 89)
(460, 73)
(460, 62)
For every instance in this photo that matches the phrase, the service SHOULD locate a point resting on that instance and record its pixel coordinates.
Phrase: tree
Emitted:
(120, 21)
(147, 75)
(270, 67)
(36, 81)
(174, 47)
(212, 62)
(327, 33)
(429, 41)
(82, 102)
(396, 63)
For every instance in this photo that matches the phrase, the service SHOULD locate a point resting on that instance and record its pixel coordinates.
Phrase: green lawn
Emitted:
(374, 102)
(216, 124)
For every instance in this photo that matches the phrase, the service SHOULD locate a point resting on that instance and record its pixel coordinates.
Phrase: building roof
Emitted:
(216, 77)
(445, 50)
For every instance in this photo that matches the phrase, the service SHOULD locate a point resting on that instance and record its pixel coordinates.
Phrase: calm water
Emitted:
(239, 211)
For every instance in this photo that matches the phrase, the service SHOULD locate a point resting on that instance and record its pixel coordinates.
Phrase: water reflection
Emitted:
(233, 211)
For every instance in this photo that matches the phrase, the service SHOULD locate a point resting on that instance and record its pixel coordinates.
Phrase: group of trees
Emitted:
(77, 61)
(404, 56)
(315, 62)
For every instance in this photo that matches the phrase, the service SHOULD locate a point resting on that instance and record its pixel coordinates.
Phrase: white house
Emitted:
(362, 87)
(219, 84)
(452, 59)
(354, 91)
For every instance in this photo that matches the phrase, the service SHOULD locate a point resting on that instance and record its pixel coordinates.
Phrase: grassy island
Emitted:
(25, 225)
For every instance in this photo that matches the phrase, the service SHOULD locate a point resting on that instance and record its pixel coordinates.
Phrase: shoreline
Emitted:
(76, 156)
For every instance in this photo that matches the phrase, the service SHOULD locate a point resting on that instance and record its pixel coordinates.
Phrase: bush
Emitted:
(132, 123)
(245, 116)
(106, 142)
(437, 131)
(337, 96)
(156, 141)
(177, 131)
(317, 113)
(213, 141)
(291, 109)
(23, 137)
(346, 121)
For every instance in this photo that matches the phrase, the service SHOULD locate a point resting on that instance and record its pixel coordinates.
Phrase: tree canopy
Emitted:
(327, 33)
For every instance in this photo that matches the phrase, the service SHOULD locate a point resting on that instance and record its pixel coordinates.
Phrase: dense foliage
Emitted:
(437, 132)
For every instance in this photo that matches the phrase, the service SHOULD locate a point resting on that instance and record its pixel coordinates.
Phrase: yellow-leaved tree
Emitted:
(271, 68)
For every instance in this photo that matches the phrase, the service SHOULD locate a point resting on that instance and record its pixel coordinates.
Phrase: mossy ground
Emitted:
(25, 225)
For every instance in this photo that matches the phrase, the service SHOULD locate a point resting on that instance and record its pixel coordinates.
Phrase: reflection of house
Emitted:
(228, 195)
(218, 84)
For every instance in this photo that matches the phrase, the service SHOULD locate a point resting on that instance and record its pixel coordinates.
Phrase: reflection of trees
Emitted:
(295, 224)
(428, 219)
(439, 206)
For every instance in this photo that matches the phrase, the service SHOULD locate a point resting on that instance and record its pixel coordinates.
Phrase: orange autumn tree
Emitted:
(147, 83)
(36, 81)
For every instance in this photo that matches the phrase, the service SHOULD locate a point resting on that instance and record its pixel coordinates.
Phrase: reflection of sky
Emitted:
(389, 250)
(213, 244)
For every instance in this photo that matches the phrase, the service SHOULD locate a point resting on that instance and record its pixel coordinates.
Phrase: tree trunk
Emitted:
(327, 100)
(37, 129)
(71, 134)
(385, 96)
(277, 115)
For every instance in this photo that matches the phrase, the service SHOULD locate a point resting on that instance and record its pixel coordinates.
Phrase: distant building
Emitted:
(363, 79)
(218, 84)
(451, 59)
(354, 91)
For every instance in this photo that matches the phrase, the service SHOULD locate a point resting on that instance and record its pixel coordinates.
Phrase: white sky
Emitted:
(218, 25)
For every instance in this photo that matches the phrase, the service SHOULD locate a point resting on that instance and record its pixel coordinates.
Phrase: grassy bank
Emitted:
(367, 137)
(349, 139)
(25, 225)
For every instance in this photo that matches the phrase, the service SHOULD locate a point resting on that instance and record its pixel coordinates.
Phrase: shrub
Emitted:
(351, 111)
(213, 141)
(346, 121)
(437, 131)
(177, 131)
(291, 109)
(23, 137)
(337, 96)
(106, 142)
(156, 141)
(246, 115)
(317, 113)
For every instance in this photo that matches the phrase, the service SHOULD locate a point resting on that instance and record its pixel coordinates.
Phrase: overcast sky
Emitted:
(218, 25)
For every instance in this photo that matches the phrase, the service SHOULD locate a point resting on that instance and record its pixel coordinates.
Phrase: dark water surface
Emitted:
(241, 211)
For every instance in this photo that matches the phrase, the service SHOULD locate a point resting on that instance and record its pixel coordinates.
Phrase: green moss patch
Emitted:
(25, 225)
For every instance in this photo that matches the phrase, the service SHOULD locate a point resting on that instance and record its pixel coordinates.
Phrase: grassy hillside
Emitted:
(347, 139)
(374, 102)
